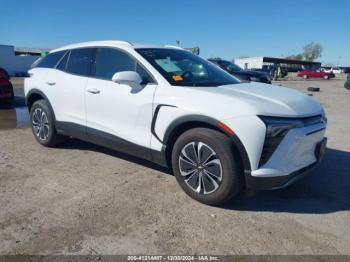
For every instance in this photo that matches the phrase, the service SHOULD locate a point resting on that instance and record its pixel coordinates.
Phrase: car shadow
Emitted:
(17, 102)
(82, 145)
(326, 189)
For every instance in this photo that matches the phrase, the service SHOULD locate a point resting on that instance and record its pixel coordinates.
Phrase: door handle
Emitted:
(51, 83)
(94, 91)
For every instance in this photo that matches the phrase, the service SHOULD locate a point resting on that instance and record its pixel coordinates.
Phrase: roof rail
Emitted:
(124, 42)
(91, 43)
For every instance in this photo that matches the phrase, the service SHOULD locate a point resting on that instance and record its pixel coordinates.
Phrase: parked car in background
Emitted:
(347, 83)
(245, 75)
(4, 73)
(169, 106)
(335, 70)
(271, 69)
(6, 88)
(318, 73)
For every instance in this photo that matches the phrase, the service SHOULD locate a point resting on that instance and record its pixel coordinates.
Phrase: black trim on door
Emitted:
(110, 141)
(154, 120)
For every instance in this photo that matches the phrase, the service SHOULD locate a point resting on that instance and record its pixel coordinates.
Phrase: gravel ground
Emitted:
(83, 199)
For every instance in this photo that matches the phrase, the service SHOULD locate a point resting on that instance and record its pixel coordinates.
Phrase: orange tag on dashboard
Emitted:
(177, 78)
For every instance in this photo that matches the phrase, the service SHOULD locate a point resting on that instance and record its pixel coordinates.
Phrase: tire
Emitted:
(43, 124)
(223, 167)
(313, 89)
(305, 77)
(325, 77)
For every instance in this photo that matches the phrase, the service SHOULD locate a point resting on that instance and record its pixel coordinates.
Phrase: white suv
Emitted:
(169, 106)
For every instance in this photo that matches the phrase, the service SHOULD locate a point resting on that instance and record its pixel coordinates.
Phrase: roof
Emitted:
(115, 43)
(289, 61)
(31, 50)
(26, 50)
(277, 60)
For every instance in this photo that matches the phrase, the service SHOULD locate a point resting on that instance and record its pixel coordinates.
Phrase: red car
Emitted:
(6, 88)
(316, 74)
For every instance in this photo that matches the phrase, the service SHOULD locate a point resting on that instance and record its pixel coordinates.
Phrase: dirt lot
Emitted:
(83, 199)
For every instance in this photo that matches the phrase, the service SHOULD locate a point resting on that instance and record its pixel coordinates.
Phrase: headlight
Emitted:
(278, 127)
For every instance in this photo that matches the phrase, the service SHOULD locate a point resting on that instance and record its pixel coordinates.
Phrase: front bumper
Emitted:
(277, 182)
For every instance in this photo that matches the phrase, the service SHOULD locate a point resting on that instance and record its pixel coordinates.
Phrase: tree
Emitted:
(312, 51)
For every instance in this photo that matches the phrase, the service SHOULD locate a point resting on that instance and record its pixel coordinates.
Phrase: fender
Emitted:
(200, 119)
(38, 92)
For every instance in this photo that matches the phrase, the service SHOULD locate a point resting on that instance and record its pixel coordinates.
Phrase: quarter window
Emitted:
(79, 61)
(50, 60)
(63, 64)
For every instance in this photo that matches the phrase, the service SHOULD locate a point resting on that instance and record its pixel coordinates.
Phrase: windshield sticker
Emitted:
(168, 65)
(177, 78)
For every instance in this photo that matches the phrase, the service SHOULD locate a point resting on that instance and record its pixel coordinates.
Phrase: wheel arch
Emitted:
(35, 95)
(185, 123)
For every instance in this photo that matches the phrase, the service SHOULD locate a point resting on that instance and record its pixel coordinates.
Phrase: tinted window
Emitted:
(62, 65)
(79, 61)
(182, 68)
(110, 61)
(230, 66)
(144, 74)
(50, 60)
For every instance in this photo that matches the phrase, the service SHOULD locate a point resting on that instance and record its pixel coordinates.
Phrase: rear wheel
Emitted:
(43, 125)
(205, 166)
(326, 77)
(305, 77)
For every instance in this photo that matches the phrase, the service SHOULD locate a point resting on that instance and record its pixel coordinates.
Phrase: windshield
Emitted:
(231, 66)
(182, 68)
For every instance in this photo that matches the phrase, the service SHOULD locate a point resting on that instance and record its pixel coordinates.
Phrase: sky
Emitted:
(221, 28)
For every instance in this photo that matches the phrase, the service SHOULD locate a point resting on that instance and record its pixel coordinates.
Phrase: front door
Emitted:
(117, 115)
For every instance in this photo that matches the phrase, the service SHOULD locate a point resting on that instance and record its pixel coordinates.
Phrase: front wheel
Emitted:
(43, 125)
(305, 77)
(206, 167)
(326, 77)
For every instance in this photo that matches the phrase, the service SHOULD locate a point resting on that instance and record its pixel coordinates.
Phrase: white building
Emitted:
(261, 61)
(18, 60)
(250, 62)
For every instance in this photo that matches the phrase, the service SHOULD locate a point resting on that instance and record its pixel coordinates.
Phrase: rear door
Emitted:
(68, 84)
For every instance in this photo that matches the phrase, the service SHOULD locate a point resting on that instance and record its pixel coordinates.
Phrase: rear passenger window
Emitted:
(79, 61)
(50, 60)
(110, 61)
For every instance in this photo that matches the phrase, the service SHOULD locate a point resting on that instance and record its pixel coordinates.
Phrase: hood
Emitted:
(259, 99)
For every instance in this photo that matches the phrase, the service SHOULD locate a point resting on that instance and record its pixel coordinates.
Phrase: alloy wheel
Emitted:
(40, 124)
(200, 167)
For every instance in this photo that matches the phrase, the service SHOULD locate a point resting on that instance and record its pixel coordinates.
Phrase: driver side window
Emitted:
(109, 61)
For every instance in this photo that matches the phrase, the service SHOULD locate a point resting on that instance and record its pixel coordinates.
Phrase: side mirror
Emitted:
(130, 78)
